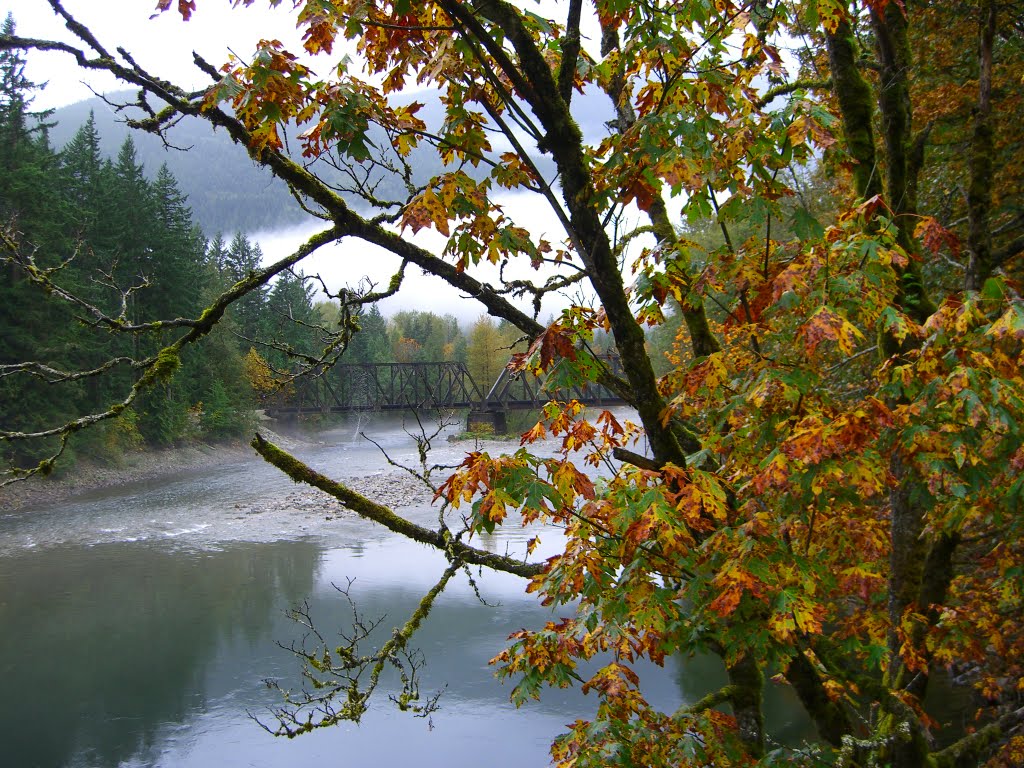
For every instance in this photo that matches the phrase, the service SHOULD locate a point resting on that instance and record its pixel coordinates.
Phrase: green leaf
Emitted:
(805, 226)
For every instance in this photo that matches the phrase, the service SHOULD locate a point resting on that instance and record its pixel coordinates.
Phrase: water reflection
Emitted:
(125, 646)
(136, 654)
(102, 645)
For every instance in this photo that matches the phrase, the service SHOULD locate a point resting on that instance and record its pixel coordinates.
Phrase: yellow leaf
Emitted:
(797, 131)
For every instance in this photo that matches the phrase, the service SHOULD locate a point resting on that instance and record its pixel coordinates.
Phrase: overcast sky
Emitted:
(164, 45)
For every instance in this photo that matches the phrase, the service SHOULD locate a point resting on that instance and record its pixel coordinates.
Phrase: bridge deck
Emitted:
(426, 386)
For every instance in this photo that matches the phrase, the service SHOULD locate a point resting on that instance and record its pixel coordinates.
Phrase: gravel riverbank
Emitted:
(88, 475)
(393, 488)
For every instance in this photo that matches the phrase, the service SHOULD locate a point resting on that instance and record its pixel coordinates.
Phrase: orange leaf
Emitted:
(424, 211)
(827, 325)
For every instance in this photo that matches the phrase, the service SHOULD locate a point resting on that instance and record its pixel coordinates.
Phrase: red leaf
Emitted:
(934, 236)
(827, 325)
(185, 7)
(878, 6)
(552, 345)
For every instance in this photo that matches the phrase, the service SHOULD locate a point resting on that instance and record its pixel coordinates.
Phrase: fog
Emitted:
(346, 263)
(164, 44)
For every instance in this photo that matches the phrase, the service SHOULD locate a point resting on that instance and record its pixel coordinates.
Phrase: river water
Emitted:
(140, 623)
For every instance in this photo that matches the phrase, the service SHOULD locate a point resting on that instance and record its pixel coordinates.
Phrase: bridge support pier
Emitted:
(487, 420)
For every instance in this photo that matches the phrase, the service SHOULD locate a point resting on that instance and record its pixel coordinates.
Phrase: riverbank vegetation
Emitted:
(828, 492)
(131, 249)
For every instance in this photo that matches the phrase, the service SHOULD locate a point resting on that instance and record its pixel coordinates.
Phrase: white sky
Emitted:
(164, 45)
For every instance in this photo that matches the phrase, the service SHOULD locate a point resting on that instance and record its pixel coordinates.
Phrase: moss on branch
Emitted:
(371, 510)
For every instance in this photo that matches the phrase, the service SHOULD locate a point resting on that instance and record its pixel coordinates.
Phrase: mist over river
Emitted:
(140, 622)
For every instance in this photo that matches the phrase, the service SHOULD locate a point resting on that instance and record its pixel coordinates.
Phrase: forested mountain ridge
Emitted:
(226, 190)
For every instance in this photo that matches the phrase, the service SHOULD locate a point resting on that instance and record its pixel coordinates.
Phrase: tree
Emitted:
(292, 325)
(370, 343)
(84, 171)
(25, 156)
(179, 248)
(30, 202)
(488, 350)
(434, 336)
(837, 439)
(241, 262)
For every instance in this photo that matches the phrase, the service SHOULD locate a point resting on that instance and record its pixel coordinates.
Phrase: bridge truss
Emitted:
(429, 386)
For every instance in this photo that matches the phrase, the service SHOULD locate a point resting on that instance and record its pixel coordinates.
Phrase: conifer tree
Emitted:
(370, 343)
(242, 259)
(291, 320)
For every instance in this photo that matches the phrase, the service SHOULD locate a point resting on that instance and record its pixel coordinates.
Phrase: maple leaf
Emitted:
(831, 13)
(640, 530)
(641, 191)
(1010, 324)
(185, 7)
(879, 6)
(797, 131)
(774, 473)
(426, 210)
(728, 600)
(707, 375)
(934, 236)
(871, 208)
(552, 345)
(827, 325)
(807, 442)
(537, 432)
(319, 36)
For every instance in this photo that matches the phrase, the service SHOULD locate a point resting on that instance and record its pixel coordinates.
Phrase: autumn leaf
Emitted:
(552, 345)
(828, 325)
(1010, 324)
(641, 191)
(426, 210)
(185, 7)
(831, 13)
(879, 6)
(935, 237)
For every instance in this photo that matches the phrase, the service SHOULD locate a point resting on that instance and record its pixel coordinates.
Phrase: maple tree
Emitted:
(831, 495)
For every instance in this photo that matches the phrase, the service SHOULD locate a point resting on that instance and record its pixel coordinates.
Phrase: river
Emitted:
(140, 623)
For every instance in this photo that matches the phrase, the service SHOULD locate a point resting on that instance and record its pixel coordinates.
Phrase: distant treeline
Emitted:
(118, 237)
(126, 243)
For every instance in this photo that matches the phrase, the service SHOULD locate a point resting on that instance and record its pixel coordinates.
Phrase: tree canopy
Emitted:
(828, 491)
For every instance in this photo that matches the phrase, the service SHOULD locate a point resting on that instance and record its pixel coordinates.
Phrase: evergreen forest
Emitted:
(131, 247)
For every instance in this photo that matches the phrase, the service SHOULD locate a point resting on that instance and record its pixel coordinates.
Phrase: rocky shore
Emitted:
(393, 488)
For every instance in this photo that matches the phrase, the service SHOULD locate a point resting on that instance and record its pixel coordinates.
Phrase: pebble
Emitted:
(395, 490)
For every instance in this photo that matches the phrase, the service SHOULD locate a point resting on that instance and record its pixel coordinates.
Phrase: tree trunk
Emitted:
(748, 681)
(855, 104)
(979, 190)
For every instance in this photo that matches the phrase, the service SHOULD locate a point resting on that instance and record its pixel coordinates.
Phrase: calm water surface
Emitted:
(139, 624)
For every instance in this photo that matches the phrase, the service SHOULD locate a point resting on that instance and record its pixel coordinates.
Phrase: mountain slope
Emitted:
(226, 190)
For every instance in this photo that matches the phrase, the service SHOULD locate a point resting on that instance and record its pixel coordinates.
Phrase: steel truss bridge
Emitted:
(434, 386)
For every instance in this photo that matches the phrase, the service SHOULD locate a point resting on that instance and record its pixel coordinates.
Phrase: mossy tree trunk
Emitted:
(979, 191)
(920, 563)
